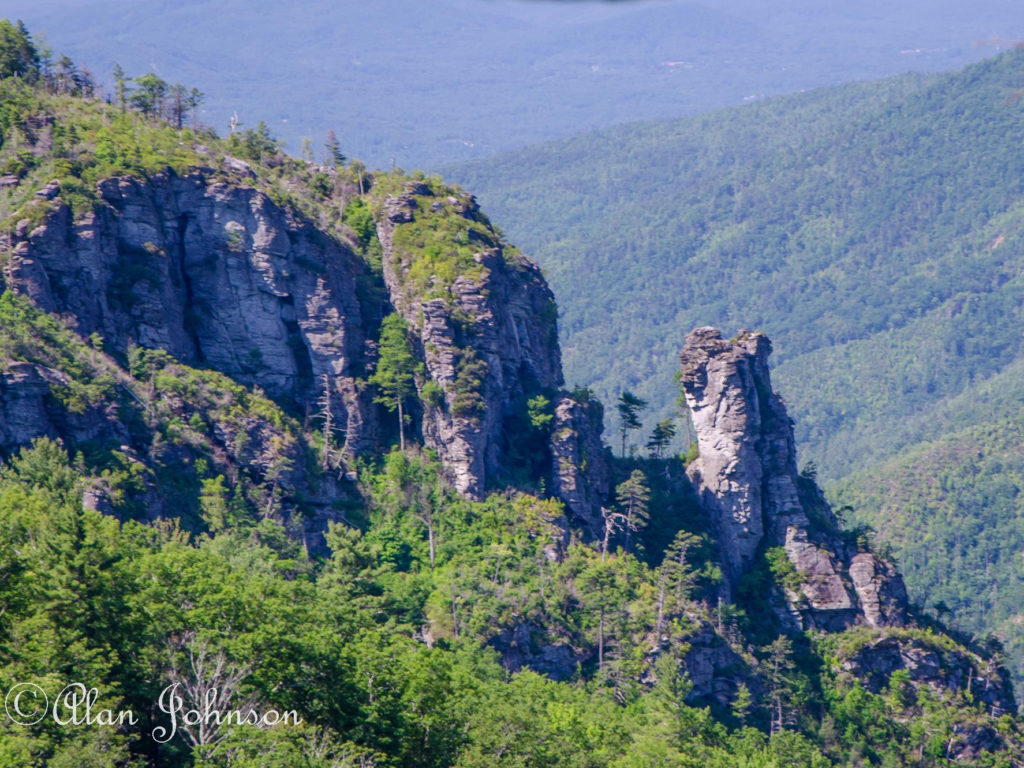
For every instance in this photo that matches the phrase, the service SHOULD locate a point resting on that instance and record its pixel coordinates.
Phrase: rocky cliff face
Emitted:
(580, 472)
(747, 480)
(28, 411)
(488, 337)
(214, 272)
(208, 267)
(721, 381)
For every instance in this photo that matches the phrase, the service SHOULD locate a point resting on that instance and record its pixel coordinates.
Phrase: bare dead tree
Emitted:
(327, 414)
(207, 682)
(612, 522)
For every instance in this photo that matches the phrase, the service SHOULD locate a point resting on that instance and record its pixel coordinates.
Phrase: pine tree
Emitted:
(395, 369)
(664, 432)
(629, 407)
(195, 98)
(18, 55)
(599, 583)
(149, 98)
(634, 497)
(675, 576)
(333, 147)
(120, 87)
(178, 107)
(778, 668)
(65, 75)
(743, 703)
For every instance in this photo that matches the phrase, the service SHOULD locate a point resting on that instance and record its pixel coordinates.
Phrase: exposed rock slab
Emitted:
(580, 471)
(880, 590)
(215, 273)
(746, 472)
(499, 321)
(208, 267)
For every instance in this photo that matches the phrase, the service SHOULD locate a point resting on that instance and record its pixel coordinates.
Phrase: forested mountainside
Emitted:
(951, 508)
(458, 79)
(295, 437)
(875, 232)
(871, 229)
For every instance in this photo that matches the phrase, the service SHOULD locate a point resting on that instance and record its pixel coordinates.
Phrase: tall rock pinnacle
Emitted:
(746, 472)
(747, 481)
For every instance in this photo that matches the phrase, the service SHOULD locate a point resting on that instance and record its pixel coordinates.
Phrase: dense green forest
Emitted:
(953, 508)
(395, 643)
(342, 642)
(874, 231)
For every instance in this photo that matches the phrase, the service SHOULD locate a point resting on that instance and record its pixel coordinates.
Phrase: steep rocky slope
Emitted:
(206, 266)
(203, 337)
(765, 514)
(829, 221)
(485, 322)
(825, 219)
(211, 271)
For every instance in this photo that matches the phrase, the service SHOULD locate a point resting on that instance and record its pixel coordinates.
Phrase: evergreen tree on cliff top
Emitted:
(629, 407)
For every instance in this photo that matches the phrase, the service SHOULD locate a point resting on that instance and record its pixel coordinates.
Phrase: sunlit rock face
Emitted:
(747, 481)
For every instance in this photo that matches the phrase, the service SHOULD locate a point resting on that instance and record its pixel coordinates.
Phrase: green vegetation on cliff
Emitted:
(876, 232)
(170, 537)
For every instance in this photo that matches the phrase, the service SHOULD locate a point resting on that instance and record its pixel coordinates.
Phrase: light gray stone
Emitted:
(215, 273)
(747, 481)
(505, 314)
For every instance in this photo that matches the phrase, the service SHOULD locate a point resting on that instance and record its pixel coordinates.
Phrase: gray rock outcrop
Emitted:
(937, 665)
(580, 468)
(23, 412)
(880, 590)
(30, 408)
(723, 384)
(208, 267)
(488, 338)
(215, 273)
(747, 481)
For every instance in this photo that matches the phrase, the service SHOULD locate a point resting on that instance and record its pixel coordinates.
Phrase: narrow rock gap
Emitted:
(191, 313)
(297, 344)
